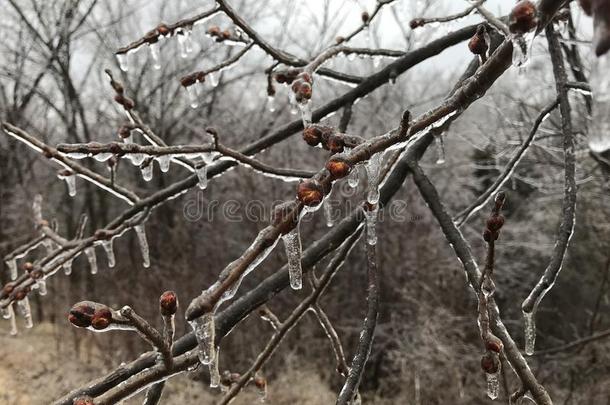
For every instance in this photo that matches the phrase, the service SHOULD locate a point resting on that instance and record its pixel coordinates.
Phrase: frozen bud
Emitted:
(187, 81)
(214, 31)
(416, 23)
(338, 167)
(65, 173)
(81, 314)
(305, 91)
(490, 363)
(310, 192)
(86, 400)
(102, 234)
(493, 344)
(226, 34)
(36, 274)
(335, 143)
(47, 152)
(22, 293)
(495, 222)
(499, 200)
(8, 288)
(365, 17)
(163, 29)
(28, 266)
(478, 43)
(312, 135)
(488, 235)
(306, 77)
(168, 303)
(260, 382)
(102, 318)
(522, 17)
(126, 102)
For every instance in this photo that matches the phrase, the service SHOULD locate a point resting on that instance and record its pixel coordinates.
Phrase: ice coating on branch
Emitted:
(292, 243)
(102, 157)
(137, 158)
(90, 253)
(440, 149)
(67, 267)
(147, 171)
(154, 54)
(204, 329)
(26, 312)
(12, 267)
(108, 247)
(12, 319)
(373, 166)
(493, 385)
(141, 234)
(6, 312)
(123, 59)
(185, 42)
(164, 162)
(202, 175)
(530, 332)
(371, 225)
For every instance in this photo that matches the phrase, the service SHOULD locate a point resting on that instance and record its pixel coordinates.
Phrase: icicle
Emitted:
(67, 267)
(202, 175)
(292, 242)
(164, 162)
(185, 42)
(440, 149)
(147, 171)
(154, 53)
(376, 61)
(353, 178)
(26, 312)
(493, 385)
(13, 319)
(306, 114)
(271, 103)
(328, 211)
(6, 312)
(214, 370)
(371, 222)
(141, 233)
(137, 158)
(42, 286)
(193, 94)
(107, 245)
(372, 169)
(213, 80)
(123, 59)
(71, 183)
(204, 329)
(12, 267)
(530, 332)
(90, 252)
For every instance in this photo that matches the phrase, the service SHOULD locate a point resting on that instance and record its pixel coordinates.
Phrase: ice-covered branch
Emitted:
(333, 337)
(420, 22)
(120, 149)
(324, 280)
(566, 228)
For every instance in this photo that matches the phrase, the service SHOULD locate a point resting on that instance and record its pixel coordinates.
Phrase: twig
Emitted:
(149, 333)
(573, 345)
(420, 22)
(335, 342)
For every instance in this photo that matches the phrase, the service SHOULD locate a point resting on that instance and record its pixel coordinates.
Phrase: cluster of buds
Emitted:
(9, 291)
(224, 35)
(479, 43)
(228, 378)
(87, 314)
(329, 138)
(523, 17)
(495, 221)
(34, 272)
(302, 87)
(168, 303)
(120, 96)
(189, 80)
